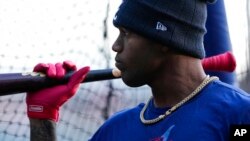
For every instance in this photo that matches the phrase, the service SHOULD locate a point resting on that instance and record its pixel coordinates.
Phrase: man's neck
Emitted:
(175, 83)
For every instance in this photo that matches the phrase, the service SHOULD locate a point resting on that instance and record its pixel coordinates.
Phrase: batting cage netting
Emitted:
(50, 31)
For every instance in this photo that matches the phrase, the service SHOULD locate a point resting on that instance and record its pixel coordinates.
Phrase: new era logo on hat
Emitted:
(115, 17)
(160, 26)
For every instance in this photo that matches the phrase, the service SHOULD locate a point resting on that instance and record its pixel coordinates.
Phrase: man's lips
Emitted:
(119, 64)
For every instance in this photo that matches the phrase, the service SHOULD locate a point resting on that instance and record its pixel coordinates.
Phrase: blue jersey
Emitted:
(206, 117)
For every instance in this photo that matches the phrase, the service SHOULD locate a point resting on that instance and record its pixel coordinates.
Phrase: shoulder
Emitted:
(227, 94)
(117, 123)
(233, 101)
(227, 91)
(128, 114)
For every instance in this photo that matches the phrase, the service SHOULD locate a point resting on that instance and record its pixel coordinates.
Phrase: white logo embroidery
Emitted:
(35, 108)
(115, 17)
(160, 26)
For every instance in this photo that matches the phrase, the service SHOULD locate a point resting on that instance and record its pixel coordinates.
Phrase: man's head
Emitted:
(178, 24)
(138, 58)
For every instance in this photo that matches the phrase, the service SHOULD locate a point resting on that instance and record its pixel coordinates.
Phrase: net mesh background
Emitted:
(53, 31)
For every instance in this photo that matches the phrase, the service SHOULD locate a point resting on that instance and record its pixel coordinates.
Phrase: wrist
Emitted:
(42, 130)
(37, 111)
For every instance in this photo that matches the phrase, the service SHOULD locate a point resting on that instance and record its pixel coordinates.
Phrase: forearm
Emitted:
(42, 130)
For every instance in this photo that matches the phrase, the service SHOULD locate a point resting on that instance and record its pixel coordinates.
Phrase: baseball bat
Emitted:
(13, 83)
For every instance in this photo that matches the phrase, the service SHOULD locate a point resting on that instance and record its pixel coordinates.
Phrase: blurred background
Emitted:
(33, 31)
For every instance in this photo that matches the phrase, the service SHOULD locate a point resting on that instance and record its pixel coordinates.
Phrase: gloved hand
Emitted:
(45, 103)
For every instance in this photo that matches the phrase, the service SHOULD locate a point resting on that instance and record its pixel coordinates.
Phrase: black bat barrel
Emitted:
(13, 83)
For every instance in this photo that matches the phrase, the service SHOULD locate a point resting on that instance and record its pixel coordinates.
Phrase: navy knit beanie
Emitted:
(178, 24)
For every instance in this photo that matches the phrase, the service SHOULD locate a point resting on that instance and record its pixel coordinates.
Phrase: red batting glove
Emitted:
(45, 103)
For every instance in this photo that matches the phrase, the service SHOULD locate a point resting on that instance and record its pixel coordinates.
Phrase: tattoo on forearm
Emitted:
(42, 130)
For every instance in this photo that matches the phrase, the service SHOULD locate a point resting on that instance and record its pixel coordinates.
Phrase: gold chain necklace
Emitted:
(168, 112)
